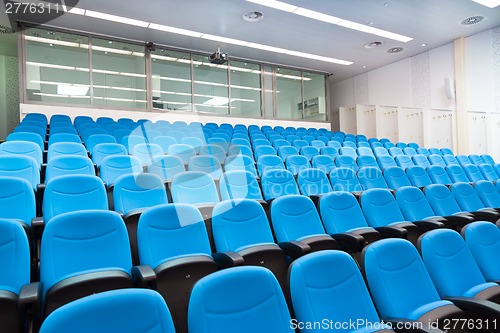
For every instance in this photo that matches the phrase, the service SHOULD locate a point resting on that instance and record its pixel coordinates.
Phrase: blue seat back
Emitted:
(421, 160)
(64, 137)
(95, 139)
(385, 161)
(17, 199)
(418, 176)
(380, 208)
(19, 166)
(164, 142)
(214, 150)
(348, 151)
(473, 173)
(387, 263)
(466, 197)
(14, 257)
(323, 162)
(409, 151)
(239, 224)
(371, 177)
(334, 144)
(483, 241)
(295, 217)
(313, 182)
(71, 193)
(346, 161)
(98, 238)
(239, 184)
(329, 151)
(435, 159)
(115, 166)
(475, 159)
(69, 165)
(404, 161)
(365, 151)
(446, 256)
(309, 152)
(194, 142)
(447, 151)
(395, 177)
(488, 172)
(450, 160)
(456, 174)
(240, 162)
(344, 179)
(423, 151)
(103, 150)
(341, 212)
(261, 151)
(280, 142)
(206, 163)
(299, 144)
(435, 151)
(171, 231)
(441, 200)
(66, 148)
(23, 148)
(194, 187)
(488, 159)
(185, 152)
(286, 151)
(413, 203)
(27, 136)
(395, 151)
(364, 161)
(166, 167)
(296, 163)
(438, 175)
(269, 162)
(222, 301)
(276, 183)
(463, 160)
(380, 151)
(488, 193)
(147, 152)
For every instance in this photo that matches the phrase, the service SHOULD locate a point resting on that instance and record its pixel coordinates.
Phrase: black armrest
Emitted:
(144, 277)
(350, 241)
(404, 325)
(321, 242)
(132, 213)
(486, 215)
(483, 308)
(228, 259)
(426, 225)
(30, 300)
(295, 249)
(460, 220)
(393, 232)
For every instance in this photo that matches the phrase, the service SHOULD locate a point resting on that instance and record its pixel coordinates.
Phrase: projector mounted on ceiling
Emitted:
(218, 57)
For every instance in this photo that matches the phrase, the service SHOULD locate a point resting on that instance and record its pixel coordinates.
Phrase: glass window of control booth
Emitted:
(119, 74)
(211, 89)
(57, 67)
(245, 83)
(289, 93)
(314, 96)
(171, 80)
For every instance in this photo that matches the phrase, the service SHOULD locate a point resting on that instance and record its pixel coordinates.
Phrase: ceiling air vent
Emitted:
(373, 45)
(472, 20)
(395, 50)
(253, 16)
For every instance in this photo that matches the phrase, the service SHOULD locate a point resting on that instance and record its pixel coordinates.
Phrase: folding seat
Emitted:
(438, 175)
(317, 144)
(206, 163)
(435, 151)
(309, 152)
(217, 301)
(450, 160)
(469, 201)
(116, 165)
(291, 138)
(395, 151)
(131, 140)
(278, 182)
(376, 144)
(403, 161)
(323, 162)
(338, 139)
(385, 161)
(39, 117)
(324, 139)
(164, 142)
(286, 151)
(194, 187)
(25, 128)
(423, 151)
(27, 136)
(65, 149)
(348, 151)
(346, 162)
(173, 241)
(455, 273)
(328, 284)
(389, 262)
(330, 151)
(308, 138)
(389, 145)
(263, 151)
(363, 144)
(483, 242)
(17, 201)
(475, 159)
(240, 142)
(23, 148)
(194, 142)
(463, 160)
(364, 161)
(365, 151)
(349, 144)
(409, 151)
(334, 144)
(104, 150)
(488, 172)
(380, 151)
(456, 174)
(421, 160)
(473, 173)
(446, 151)
(401, 145)
(240, 162)
(288, 214)
(69, 165)
(185, 152)
(371, 177)
(488, 193)
(436, 160)
(177, 135)
(56, 138)
(396, 177)
(296, 163)
(119, 134)
(19, 166)
(240, 150)
(98, 238)
(239, 184)
(273, 137)
(344, 179)
(280, 143)
(269, 162)
(166, 167)
(488, 159)
(313, 182)
(418, 176)
(147, 152)
(260, 142)
(95, 139)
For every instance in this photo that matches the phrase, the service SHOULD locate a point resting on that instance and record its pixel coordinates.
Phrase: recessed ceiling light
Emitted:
(472, 20)
(373, 45)
(424, 44)
(364, 66)
(488, 3)
(395, 50)
(253, 16)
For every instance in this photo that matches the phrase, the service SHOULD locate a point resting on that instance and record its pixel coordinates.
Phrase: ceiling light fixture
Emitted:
(488, 3)
(114, 18)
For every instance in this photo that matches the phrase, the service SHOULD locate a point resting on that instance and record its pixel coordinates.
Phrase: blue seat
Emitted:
(185, 152)
(488, 172)
(308, 138)
(194, 187)
(299, 144)
(391, 266)
(164, 142)
(19, 166)
(309, 152)
(194, 142)
(103, 150)
(344, 161)
(286, 151)
(488, 193)
(98, 238)
(469, 201)
(473, 173)
(334, 144)
(166, 167)
(404, 161)
(450, 160)
(177, 135)
(447, 151)
(323, 162)
(361, 151)
(388, 145)
(418, 176)
(414, 206)
(240, 162)
(223, 301)
(206, 163)
(453, 269)
(349, 143)
(66, 148)
(371, 177)
(329, 151)
(23, 148)
(376, 144)
(278, 143)
(114, 166)
(421, 160)
(69, 165)
(313, 182)
(240, 150)
(395, 151)
(269, 162)
(317, 144)
(438, 175)
(328, 284)
(385, 161)
(456, 174)
(239, 184)
(278, 182)
(483, 241)
(296, 163)
(27, 136)
(435, 151)
(147, 152)
(214, 150)
(410, 151)
(240, 140)
(364, 161)
(64, 137)
(344, 179)
(220, 141)
(288, 216)
(423, 151)
(259, 141)
(17, 200)
(173, 241)
(31, 127)
(488, 159)
(348, 151)
(436, 160)
(463, 160)
(401, 145)
(444, 204)
(380, 151)
(291, 138)
(263, 151)
(128, 310)
(95, 139)
(475, 159)
(396, 177)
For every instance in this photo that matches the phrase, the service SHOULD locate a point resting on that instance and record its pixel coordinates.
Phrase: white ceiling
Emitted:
(434, 22)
